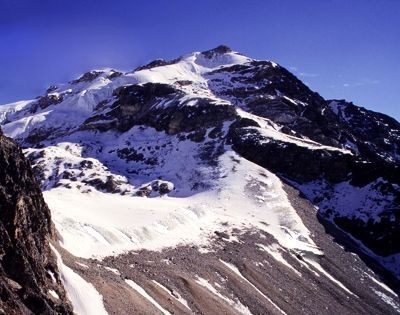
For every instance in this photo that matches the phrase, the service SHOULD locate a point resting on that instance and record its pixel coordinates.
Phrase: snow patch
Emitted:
(143, 293)
(84, 297)
(317, 266)
(381, 284)
(238, 273)
(242, 309)
(176, 295)
(54, 294)
(275, 251)
(113, 270)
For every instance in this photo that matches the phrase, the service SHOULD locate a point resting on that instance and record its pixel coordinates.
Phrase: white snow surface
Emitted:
(97, 224)
(8, 109)
(78, 101)
(242, 309)
(54, 294)
(84, 297)
(349, 199)
(239, 274)
(276, 252)
(176, 295)
(317, 266)
(381, 284)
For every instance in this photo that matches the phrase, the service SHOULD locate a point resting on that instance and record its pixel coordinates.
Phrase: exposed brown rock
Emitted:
(26, 260)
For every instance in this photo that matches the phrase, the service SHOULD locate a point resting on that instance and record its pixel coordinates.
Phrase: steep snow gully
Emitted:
(215, 184)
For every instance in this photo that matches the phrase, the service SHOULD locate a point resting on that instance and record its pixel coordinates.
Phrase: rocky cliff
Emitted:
(29, 278)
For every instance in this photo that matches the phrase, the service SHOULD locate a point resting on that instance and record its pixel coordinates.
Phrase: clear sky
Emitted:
(340, 48)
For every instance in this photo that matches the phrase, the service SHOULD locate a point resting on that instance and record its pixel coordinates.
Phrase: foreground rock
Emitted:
(29, 280)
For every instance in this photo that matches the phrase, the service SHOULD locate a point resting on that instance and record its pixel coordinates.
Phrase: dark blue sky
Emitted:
(341, 48)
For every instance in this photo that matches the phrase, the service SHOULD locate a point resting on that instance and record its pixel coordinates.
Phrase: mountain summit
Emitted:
(217, 177)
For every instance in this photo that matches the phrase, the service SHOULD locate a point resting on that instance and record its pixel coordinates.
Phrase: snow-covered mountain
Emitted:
(212, 177)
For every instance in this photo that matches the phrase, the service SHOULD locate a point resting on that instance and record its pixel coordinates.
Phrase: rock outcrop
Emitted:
(29, 280)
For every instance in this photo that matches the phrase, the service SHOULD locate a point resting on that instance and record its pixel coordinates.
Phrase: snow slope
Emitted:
(96, 224)
(79, 99)
(83, 296)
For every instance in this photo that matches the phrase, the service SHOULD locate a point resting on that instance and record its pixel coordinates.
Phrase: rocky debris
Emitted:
(144, 191)
(27, 265)
(159, 187)
(130, 154)
(209, 152)
(162, 187)
(63, 166)
(110, 184)
(203, 281)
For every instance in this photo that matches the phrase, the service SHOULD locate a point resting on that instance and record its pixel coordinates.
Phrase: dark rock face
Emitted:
(49, 99)
(143, 105)
(377, 136)
(154, 64)
(220, 50)
(87, 77)
(26, 261)
(271, 91)
(290, 160)
(302, 165)
(381, 236)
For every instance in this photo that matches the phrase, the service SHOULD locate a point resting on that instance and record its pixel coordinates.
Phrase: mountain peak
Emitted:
(220, 50)
(229, 140)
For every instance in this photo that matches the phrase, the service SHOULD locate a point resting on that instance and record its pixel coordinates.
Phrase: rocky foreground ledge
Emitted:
(29, 278)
